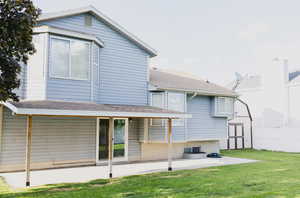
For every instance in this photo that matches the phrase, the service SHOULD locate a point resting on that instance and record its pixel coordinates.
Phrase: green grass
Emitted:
(276, 175)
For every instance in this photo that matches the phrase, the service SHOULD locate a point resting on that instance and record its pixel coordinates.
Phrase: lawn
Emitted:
(277, 175)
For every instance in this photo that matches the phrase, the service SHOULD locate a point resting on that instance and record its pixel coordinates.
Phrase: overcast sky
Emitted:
(211, 39)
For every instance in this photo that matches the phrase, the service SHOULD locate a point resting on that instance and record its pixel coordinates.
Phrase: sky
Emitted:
(210, 39)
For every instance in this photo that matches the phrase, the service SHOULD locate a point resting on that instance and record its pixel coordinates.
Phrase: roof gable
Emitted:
(100, 16)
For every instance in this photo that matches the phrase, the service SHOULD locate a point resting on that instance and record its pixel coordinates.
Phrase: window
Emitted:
(157, 100)
(70, 59)
(224, 105)
(176, 102)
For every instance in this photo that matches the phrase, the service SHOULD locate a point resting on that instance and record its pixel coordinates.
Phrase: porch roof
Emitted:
(79, 109)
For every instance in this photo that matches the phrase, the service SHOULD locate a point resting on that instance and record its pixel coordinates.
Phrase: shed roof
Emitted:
(64, 108)
(164, 80)
(92, 10)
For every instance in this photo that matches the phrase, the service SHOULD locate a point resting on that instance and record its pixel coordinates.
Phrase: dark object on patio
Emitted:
(214, 155)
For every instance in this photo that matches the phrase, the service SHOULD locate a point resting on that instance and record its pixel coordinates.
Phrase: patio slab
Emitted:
(84, 174)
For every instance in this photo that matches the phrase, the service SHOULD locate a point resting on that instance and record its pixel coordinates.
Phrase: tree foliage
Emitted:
(17, 18)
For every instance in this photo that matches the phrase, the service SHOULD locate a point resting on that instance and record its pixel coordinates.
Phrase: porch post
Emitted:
(1, 126)
(28, 149)
(110, 145)
(169, 144)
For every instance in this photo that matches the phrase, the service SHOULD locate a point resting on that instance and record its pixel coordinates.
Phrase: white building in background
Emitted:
(274, 101)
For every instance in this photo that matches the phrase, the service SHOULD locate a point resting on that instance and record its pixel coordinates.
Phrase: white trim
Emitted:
(217, 112)
(146, 130)
(115, 159)
(97, 139)
(163, 106)
(46, 63)
(202, 92)
(92, 71)
(70, 60)
(63, 32)
(100, 16)
(57, 112)
(182, 95)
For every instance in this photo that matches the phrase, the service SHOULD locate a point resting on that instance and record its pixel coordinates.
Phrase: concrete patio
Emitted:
(84, 174)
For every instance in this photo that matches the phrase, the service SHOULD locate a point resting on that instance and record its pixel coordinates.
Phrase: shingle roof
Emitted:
(163, 80)
(43, 107)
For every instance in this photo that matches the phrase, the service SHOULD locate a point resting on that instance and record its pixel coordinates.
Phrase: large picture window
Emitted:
(176, 102)
(70, 59)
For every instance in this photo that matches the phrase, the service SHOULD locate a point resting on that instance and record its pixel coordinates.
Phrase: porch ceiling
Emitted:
(79, 109)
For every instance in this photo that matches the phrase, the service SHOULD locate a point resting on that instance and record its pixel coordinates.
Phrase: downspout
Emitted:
(194, 95)
(251, 120)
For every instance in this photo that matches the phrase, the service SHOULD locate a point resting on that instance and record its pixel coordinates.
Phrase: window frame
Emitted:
(178, 122)
(227, 101)
(163, 105)
(70, 40)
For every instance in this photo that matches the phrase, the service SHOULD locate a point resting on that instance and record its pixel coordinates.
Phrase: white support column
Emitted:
(28, 149)
(110, 145)
(1, 126)
(169, 144)
(146, 130)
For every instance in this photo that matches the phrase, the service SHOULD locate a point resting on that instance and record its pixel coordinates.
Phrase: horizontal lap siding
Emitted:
(123, 68)
(54, 140)
(134, 148)
(178, 133)
(157, 133)
(202, 125)
(71, 90)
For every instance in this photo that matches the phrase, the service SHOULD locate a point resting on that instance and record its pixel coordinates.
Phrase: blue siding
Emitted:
(123, 68)
(202, 125)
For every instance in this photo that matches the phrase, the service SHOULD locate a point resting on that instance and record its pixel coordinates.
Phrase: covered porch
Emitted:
(30, 110)
(85, 174)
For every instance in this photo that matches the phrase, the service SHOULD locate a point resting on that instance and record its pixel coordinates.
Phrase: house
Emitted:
(273, 98)
(89, 95)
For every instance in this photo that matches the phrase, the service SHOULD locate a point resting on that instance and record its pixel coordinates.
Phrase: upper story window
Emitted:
(157, 100)
(224, 106)
(69, 58)
(176, 102)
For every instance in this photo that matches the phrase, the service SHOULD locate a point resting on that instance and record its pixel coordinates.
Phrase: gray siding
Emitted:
(202, 125)
(123, 68)
(134, 147)
(54, 141)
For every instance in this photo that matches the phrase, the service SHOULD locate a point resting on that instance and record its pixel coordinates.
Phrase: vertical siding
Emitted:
(55, 141)
(202, 125)
(123, 68)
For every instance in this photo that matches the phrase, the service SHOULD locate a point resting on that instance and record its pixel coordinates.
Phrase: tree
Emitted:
(17, 18)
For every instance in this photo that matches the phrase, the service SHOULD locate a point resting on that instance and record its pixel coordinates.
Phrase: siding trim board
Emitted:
(63, 32)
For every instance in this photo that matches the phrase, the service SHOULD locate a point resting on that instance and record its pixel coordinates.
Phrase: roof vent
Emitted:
(88, 20)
